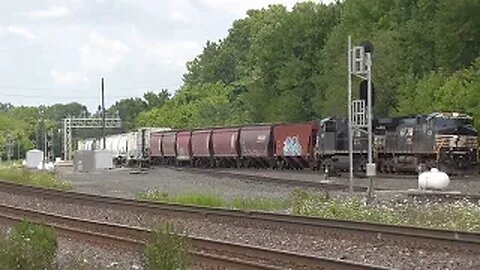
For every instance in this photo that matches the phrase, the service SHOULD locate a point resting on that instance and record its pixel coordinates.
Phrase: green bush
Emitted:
(39, 179)
(28, 247)
(167, 251)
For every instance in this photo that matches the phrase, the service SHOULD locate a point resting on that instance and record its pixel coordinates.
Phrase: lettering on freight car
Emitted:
(292, 146)
(261, 138)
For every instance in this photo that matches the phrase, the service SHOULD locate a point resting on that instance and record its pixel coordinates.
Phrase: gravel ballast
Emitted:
(120, 183)
(354, 247)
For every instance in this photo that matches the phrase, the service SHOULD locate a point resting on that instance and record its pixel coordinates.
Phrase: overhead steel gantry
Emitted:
(83, 123)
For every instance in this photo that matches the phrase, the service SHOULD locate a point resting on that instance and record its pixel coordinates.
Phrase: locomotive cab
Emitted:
(456, 141)
(332, 147)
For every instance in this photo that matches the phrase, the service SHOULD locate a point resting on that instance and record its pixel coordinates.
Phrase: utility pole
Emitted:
(103, 115)
(360, 115)
(9, 147)
(18, 149)
(350, 135)
(45, 144)
(371, 167)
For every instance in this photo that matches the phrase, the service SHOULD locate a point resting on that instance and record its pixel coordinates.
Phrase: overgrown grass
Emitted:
(39, 179)
(28, 247)
(167, 251)
(259, 204)
(214, 200)
(201, 199)
(459, 215)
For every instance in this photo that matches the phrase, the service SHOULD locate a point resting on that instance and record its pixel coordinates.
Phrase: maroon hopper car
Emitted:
(225, 148)
(256, 147)
(295, 144)
(184, 146)
(168, 147)
(201, 147)
(156, 146)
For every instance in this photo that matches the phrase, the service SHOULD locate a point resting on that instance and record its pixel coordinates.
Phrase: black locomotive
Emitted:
(447, 141)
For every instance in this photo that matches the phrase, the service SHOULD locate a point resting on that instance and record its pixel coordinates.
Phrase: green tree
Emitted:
(128, 109)
(154, 100)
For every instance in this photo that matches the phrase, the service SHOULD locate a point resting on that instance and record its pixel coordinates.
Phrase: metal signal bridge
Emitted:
(71, 123)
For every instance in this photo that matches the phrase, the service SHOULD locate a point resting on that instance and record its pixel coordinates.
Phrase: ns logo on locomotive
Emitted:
(447, 141)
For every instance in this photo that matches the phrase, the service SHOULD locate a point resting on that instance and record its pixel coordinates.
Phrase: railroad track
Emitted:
(342, 175)
(325, 185)
(331, 186)
(205, 252)
(426, 238)
(445, 196)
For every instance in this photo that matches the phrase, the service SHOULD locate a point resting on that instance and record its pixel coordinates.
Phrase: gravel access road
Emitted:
(120, 183)
(354, 247)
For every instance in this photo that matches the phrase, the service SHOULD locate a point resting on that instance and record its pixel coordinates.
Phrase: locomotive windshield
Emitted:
(452, 122)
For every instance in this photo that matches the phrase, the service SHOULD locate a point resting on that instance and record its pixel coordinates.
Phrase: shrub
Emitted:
(28, 247)
(167, 251)
(39, 179)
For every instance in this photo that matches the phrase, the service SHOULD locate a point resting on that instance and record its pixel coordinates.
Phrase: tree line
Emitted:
(279, 65)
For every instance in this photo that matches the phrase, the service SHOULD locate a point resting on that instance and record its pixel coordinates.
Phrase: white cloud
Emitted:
(100, 53)
(51, 12)
(65, 78)
(173, 53)
(184, 12)
(238, 8)
(135, 45)
(20, 31)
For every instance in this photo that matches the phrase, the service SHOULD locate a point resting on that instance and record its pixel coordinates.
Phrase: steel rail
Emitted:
(329, 186)
(291, 223)
(454, 196)
(218, 253)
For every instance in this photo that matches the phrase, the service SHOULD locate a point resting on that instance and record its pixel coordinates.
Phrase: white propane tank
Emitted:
(433, 179)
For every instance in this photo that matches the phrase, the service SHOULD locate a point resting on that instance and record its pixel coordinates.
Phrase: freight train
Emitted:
(126, 148)
(401, 144)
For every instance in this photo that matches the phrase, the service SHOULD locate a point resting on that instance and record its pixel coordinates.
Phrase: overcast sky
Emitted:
(57, 51)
